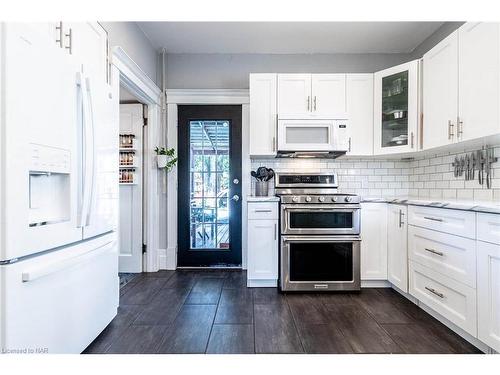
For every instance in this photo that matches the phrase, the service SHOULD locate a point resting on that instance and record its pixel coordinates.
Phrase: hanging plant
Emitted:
(166, 158)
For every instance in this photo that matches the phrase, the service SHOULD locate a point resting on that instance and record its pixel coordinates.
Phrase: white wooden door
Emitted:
(373, 241)
(488, 294)
(263, 114)
(262, 250)
(397, 246)
(359, 97)
(396, 109)
(479, 80)
(294, 96)
(440, 93)
(130, 246)
(328, 97)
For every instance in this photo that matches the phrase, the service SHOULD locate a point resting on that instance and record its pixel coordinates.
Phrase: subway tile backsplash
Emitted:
(424, 177)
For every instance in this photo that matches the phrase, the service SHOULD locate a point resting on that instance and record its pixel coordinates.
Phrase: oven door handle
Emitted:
(307, 238)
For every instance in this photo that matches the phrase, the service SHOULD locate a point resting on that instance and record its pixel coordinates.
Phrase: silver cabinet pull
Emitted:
(274, 144)
(433, 219)
(59, 29)
(460, 128)
(314, 103)
(433, 291)
(401, 214)
(308, 103)
(412, 139)
(350, 143)
(263, 210)
(451, 134)
(434, 252)
(275, 231)
(69, 47)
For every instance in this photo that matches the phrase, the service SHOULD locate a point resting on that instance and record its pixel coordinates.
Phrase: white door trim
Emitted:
(206, 96)
(138, 83)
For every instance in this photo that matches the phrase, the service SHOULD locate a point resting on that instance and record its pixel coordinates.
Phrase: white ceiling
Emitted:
(288, 37)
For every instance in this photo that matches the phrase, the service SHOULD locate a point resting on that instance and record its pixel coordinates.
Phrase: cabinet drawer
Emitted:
(262, 211)
(450, 255)
(453, 300)
(488, 228)
(457, 222)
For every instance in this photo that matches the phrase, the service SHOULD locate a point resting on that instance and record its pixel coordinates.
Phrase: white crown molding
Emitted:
(128, 68)
(208, 96)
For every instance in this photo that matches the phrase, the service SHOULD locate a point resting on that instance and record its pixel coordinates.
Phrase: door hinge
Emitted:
(144, 248)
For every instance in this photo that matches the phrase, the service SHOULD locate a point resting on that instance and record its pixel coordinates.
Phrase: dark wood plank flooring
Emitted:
(214, 312)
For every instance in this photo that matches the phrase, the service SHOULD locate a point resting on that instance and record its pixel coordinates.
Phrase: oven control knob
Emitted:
(308, 199)
(321, 199)
(334, 199)
(348, 199)
(295, 199)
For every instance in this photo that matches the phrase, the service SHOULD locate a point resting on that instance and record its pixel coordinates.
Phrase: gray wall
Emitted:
(131, 38)
(216, 71)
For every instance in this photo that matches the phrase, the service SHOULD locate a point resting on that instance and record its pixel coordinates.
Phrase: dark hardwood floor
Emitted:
(214, 312)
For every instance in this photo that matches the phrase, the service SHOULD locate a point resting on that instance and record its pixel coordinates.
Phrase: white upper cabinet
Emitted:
(318, 96)
(397, 246)
(396, 109)
(359, 98)
(294, 96)
(328, 98)
(263, 115)
(478, 80)
(440, 93)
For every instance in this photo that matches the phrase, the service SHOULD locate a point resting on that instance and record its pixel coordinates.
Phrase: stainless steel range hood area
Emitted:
(310, 154)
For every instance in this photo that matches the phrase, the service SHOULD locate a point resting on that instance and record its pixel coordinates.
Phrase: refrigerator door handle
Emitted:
(92, 154)
(51, 268)
(87, 152)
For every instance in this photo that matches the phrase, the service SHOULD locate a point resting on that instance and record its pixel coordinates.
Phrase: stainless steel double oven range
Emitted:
(320, 234)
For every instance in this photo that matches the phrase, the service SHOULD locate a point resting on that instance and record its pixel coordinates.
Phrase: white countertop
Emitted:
(456, 204)
(270, 198)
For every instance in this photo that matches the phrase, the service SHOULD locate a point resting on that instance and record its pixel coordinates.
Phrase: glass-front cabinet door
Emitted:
(396, 109)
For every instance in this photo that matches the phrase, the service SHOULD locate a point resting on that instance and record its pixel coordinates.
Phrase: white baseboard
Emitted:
(273, 283)
(171, 258)
(375, 284)
(162, 259)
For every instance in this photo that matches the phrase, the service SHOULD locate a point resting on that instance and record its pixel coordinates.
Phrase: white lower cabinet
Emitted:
(263, 234)
(397, 246)
(453, 300)
(373, 241)
(488, 294)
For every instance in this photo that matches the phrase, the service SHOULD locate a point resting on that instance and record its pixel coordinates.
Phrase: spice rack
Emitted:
(128, 158)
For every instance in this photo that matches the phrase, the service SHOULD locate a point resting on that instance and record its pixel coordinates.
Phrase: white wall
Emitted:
(133, 41)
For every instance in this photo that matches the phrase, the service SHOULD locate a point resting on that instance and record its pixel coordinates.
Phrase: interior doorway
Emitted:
(133, 122)
(209, 191)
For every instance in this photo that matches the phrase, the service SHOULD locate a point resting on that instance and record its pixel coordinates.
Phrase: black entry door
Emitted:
(209, 191)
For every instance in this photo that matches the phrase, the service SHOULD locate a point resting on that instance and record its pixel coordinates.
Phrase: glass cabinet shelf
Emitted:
(395, 110)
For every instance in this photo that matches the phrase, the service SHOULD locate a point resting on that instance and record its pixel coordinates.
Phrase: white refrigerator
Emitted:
(59, 114)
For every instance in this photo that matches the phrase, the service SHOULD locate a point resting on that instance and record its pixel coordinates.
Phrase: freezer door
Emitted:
(39, 172)
(60, 302)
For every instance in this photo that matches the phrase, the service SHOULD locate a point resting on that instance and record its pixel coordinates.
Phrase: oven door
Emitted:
(320, 219)
(320, 263)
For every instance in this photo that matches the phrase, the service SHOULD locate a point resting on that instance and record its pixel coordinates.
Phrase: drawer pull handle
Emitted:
(434, 252)
(433, 219)
(263, 210)
(433, 291)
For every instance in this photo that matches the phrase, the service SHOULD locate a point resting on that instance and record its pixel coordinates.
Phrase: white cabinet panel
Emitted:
(396, 109)
(397, 246)
(450, 255)
(440, 93)
(263, 114)
(488, 294)
(294, 96)
(457, 222)
(453, 300)
(479, 80)
(329, 96)
(488, 228)
(373, 241)
(359, 93)
(262, 211)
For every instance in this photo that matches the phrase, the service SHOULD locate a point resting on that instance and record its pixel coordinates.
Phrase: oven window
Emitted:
(330, 261)
(310, 220)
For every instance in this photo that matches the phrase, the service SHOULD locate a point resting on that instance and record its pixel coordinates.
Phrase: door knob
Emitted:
(235, 198)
